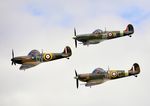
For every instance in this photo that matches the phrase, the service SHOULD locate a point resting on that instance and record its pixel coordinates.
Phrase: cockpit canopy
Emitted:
(98, 31)
(34, 53)
(99, 71)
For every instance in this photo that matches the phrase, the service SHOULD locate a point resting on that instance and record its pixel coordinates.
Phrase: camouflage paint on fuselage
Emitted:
(35, 57)
(98, 35)
(51, 56)
(100, 75)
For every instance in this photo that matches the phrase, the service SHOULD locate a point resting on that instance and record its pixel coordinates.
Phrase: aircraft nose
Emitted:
(16, 60)
(74, 37)
(13, 59)
(76, 77)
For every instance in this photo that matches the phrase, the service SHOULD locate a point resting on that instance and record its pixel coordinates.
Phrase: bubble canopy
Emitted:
(99, 71)
(97, 31)
(34, 53)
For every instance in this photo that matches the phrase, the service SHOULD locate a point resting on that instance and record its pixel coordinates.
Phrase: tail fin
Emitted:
(135, 69)
(129, 29)
(67, 51)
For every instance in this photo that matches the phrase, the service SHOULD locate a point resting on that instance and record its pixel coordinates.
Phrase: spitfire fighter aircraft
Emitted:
(99, 75)
(35, 57)
(98, 35)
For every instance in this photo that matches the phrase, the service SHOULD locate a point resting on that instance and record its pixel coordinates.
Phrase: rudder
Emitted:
(67, 51)
(135, 69)
(129, 29)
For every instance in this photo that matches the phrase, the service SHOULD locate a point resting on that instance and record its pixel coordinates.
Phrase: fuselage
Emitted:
(45, 58)
(98, 35)
(100, 76)
(97, 38)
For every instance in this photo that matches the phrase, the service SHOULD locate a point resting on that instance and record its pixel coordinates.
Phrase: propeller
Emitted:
(13, 61)
(75, 38)
(76, 77)
(12, 53)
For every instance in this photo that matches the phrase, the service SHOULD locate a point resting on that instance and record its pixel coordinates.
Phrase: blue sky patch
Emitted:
(35, 11)
(66, 21)
(135, 14)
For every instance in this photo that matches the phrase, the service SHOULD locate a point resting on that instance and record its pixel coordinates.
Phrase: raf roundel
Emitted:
(114, 74)
(110, 34)
(47, 56)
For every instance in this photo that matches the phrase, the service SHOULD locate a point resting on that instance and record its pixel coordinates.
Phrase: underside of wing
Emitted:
(27, 65)
(96, 41)
(83, 38)
(94, 82)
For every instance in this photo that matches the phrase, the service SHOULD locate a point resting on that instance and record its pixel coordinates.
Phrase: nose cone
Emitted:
(74, 37)
(76, 77)
(16, 60)
(13, 59)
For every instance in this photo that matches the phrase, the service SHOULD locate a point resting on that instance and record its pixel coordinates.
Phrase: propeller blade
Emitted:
(77, 81)
(76, 73)
(75, 43)
(12, 53)
(75, 32)
(12, 58)
(12, 63)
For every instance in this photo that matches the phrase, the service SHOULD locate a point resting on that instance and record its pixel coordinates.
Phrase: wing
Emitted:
(94, 82)
(27, 65)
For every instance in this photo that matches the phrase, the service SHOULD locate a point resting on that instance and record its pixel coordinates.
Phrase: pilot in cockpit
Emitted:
(99, 71)
(98, 31)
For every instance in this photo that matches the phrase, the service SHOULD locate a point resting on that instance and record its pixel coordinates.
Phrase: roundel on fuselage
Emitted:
(47, 56)
(110, 34)
(113, 73)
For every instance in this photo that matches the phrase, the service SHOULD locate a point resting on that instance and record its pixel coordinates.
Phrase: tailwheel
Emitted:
(135, 75)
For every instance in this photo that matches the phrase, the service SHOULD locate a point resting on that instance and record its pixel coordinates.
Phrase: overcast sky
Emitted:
(48, 25)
